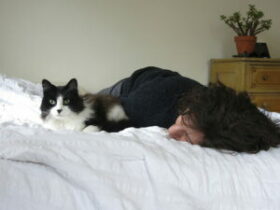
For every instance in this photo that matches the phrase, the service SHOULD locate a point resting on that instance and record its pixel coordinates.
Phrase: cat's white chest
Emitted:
(68, 120)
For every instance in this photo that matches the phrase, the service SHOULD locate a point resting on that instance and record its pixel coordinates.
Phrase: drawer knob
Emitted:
(264, 77)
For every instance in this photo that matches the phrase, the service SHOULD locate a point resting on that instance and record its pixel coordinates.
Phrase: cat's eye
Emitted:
(52, 102)
(66, 101)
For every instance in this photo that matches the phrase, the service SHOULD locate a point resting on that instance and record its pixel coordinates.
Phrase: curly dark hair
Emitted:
(229, 120)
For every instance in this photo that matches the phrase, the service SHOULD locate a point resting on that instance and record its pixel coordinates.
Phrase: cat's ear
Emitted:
(72, 84)
(46, 84)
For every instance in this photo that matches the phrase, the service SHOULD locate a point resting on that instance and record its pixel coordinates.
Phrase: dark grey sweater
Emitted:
(150, 96)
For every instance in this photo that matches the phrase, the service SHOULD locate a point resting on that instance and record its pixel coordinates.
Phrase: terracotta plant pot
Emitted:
(245, 45)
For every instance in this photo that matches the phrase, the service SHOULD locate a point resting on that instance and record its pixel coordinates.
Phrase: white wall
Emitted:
(102, 41)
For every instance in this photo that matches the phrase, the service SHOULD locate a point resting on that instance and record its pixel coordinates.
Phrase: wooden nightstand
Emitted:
(260, 77)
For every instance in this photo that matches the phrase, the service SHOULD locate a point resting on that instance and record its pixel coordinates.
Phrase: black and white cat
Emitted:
(63, 108)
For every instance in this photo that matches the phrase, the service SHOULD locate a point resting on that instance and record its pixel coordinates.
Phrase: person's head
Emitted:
(219, 117)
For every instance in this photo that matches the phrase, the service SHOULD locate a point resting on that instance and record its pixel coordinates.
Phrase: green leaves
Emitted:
(249, 25)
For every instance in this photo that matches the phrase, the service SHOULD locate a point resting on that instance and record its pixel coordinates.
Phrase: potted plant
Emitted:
(247, 28)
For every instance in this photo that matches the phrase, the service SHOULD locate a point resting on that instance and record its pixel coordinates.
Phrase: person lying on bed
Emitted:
(214, 116)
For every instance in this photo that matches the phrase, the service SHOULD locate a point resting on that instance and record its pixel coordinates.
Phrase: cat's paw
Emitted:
(91, 128)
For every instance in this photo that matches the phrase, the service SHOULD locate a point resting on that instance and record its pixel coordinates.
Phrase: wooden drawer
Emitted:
(260, 77)
(231, 74)
(270, 102)
(263, 78)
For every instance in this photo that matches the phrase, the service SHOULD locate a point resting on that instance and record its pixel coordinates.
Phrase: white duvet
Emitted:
(136, 169)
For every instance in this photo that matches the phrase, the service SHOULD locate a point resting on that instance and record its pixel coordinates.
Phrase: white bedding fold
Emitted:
(19, 101)
(135, 169)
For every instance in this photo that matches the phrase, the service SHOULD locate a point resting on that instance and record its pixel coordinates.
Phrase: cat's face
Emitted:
(60, 101)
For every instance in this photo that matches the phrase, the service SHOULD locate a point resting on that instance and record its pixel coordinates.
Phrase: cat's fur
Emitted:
(63, 108)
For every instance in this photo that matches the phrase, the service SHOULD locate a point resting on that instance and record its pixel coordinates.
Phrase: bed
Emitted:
(133, 169)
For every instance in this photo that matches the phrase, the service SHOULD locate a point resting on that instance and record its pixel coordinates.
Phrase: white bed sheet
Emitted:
(133, 169)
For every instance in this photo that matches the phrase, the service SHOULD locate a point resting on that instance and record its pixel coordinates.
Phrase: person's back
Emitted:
(150, 96)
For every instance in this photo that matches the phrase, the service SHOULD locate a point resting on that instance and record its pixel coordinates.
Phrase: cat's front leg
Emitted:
(91, 128)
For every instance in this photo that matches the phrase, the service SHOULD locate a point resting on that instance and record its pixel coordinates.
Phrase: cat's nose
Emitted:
(59, 110)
